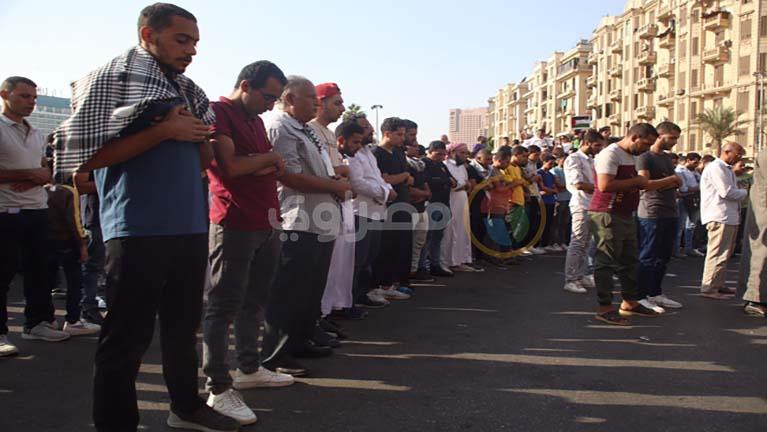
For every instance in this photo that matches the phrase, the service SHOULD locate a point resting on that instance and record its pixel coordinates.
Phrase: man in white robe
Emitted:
(456, 244)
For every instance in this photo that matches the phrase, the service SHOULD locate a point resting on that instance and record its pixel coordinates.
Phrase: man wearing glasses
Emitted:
(720, 200)
(243, 245)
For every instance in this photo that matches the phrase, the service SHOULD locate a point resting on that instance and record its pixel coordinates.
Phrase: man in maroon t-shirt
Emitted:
(611, 214)
(243, 245)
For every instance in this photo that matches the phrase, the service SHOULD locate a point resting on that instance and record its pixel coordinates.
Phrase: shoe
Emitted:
(697, 253)
(527, 253)
(392, 294)
(312, 350)
(81, 328)
(204, 419)
(322, 339)
(588, 282)
(371, 302)
(665, 302)
(332, 328)
(680, 255)
(6, 347)
(639, 310)
(353, 314)
(574, 287)
(646, 302)
(563, 247)
(230, 404)
(477, 267)
(537, 251)
(422, 276)
(750, 308)
(59, 293)
(263, 377)
(102, 304)
(287, 365)
(439, 271)
(45, 331)
(92, 316)
(551, 248)
(406, 290)
(462, 268)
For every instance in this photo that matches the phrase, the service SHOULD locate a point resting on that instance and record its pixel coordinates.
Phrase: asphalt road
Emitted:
(497, 351)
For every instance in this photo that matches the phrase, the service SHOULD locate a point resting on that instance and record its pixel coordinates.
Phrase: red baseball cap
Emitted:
(326, 90)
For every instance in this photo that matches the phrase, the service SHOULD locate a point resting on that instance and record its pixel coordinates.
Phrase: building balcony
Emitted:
(717, 21)
(647, 31)
(665, 13)
(647, 57)
(666, 70)
(615, 119)
(646, 112)
(716, 89)
(667, 40)
(616, 71)
(716, 56)
(591, 82)
(666, 100)
(646, 85)
(615, 95)
(616, 47)
(592, 59)
(572, 70)
(591, 102)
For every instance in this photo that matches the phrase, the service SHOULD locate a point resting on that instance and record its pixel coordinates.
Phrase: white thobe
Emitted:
(456, 243)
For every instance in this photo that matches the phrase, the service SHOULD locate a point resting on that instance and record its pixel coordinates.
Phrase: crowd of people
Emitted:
(188, 205)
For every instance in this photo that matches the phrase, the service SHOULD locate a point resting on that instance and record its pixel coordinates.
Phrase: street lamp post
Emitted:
(376, 108)
(760, 109)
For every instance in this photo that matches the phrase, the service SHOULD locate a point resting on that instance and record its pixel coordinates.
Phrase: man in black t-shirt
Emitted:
(392, 269)
(438, 209)
(419, 194)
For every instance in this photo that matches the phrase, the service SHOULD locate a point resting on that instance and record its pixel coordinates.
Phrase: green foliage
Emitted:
(720, 123)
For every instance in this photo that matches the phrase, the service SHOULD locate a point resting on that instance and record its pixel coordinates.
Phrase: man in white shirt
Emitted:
(689, 205)
(720, 200)
(579, 175)
(540, 139)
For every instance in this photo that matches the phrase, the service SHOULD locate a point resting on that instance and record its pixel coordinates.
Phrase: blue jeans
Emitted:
(430, 253)
(656, 241)
(92, 269)
(686, 227)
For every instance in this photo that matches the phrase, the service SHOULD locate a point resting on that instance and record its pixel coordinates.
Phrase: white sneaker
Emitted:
(563, 247)
(80, 328)
(6, 347)
(575, 287)
(263, 377)
(378, 296)
(537, 251)
(45, 331)
(665, 302)
(588, 282)
(230, 404)
(527, 253)
(392, 294)
(651, 305)
(697, 253)
(463, 268)
(551, 248)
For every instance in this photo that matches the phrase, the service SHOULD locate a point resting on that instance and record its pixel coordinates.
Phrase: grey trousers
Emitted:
(243, 264)
(752, 277)
(576, 262)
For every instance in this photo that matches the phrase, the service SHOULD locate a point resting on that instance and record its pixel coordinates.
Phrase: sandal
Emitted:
(717, 296)
(730, 291)
(613, 317)
(639, 310)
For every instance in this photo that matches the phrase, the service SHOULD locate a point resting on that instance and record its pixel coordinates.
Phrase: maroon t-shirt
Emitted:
(241, 203)
(619, 163)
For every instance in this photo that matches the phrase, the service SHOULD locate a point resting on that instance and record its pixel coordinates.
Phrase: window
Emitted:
(762, 61)
(742, 102)
(745, 29)
(681, 111)
(694, 46)
(762, 26)
(682, 80)
(744, 66)
(636, 101)
(694, 78)
(693, 109)
(691, 144)
(682, 48)
(682, 19)
(695, 16)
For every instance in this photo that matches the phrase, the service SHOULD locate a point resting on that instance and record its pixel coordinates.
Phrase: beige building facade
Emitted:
(659, 60)
(467, 124)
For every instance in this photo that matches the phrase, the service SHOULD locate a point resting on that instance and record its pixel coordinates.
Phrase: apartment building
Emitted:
(467, 124)
(658, 60)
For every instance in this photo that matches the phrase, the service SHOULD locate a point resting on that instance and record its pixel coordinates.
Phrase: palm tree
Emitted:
(720, 123)
(352, 110)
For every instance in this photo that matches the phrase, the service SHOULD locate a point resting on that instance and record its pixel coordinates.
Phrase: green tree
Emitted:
(720, 123)
(352, 110)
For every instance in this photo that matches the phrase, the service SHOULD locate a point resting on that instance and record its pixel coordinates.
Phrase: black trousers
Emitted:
(366, 252)
(146, 277)
(24, 248)
(293, 307)
(393, 262)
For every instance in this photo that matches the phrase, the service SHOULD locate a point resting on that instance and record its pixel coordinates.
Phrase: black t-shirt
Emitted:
(658, 203)
(393, 163)
(438, 178)
(475, 207)
(419, 180)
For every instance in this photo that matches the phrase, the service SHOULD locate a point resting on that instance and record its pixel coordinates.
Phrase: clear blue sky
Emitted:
(416, 58)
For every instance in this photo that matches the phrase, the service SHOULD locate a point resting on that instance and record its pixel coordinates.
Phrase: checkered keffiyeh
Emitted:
(108, 99)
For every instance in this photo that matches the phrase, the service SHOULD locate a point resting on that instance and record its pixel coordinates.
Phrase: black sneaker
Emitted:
(204, 419)
(93, 316)
(321, 338)
(352, 314)
(437, 271)
(422, 276)
(287, 365)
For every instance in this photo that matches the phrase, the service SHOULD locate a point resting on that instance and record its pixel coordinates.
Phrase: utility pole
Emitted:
(760, 110)
(376, 108)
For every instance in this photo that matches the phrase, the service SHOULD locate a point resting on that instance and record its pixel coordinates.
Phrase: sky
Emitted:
(416, 58)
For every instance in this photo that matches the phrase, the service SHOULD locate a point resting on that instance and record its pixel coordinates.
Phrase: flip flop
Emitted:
(613, 318)
(717, 296)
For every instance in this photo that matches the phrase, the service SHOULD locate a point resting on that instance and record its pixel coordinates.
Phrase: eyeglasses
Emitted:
(268, 98)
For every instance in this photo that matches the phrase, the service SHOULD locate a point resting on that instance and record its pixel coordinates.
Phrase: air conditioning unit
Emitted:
(680, 92)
